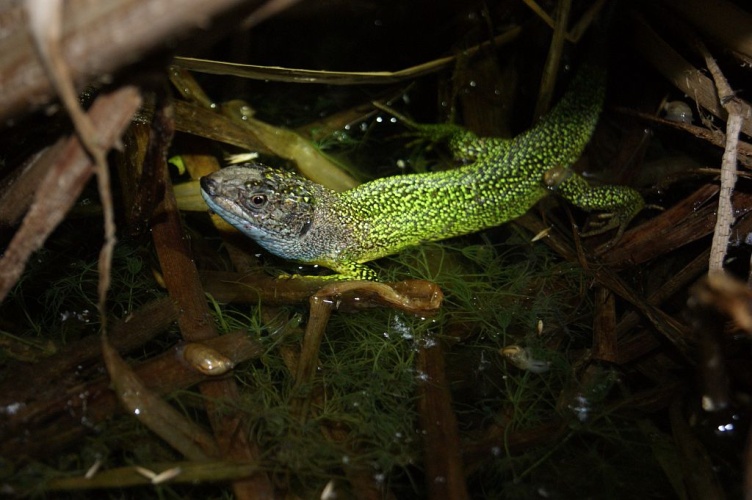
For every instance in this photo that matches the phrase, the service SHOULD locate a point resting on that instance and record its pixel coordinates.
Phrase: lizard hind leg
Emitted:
(619, 204)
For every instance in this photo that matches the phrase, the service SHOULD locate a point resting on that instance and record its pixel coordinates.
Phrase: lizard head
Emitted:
(274, 207)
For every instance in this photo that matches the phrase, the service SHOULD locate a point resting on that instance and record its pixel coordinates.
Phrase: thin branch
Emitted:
(299, 75)
(725, 218)
(46, 26)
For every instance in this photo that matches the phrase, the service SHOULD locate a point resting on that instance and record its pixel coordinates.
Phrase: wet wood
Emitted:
(98, 38)
(499, 440)
(147, 186)
(418, 296)
(665, 324)
(680, 72)
(696, 463)
(444, 470)
(260, 136)
(192, 441)
(190, 473)
(712, 136)
(407, 296)
(725, 294)
(197, 324)
(687, 221)
(725, 22)
(193, 119)
(708, 324)
(67, 414)
(17, 190)
(63, 183)
(48, 379)
(678, 283)
(605, 345)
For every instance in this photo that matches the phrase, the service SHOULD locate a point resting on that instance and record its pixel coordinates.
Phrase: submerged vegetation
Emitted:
(362, 407)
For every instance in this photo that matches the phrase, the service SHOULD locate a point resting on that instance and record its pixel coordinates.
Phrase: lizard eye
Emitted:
(256, 201)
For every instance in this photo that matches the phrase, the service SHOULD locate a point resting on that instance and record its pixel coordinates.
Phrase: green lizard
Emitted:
(299, 220)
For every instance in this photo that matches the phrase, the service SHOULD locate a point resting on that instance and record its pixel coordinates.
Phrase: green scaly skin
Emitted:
(299, 220)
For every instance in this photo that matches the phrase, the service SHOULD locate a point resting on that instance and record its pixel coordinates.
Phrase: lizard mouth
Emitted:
(220, 204)
(209, 185)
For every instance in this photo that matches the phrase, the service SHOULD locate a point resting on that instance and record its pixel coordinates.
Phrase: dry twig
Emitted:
(46, 26)
(725, 219)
